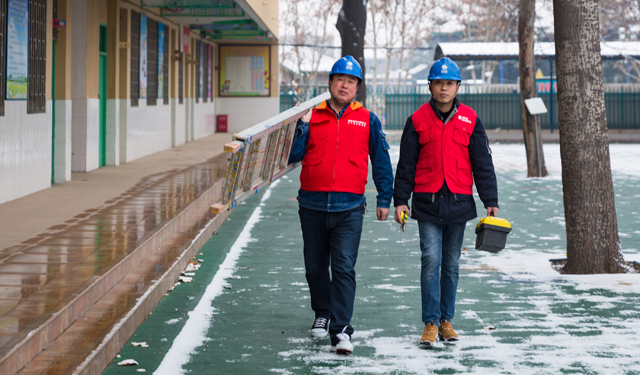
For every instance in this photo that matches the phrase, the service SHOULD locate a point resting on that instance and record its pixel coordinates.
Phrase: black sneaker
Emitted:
(319, 328)
(342, 343)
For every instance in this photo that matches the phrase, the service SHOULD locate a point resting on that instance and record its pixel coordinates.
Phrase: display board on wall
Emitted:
(185, 31)
(210, 67)
(17, 49)
(201, 67)
(245, 70)
(144, 40)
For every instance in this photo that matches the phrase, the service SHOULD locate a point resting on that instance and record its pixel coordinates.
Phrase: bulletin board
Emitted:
(245, 70)
(17, 50)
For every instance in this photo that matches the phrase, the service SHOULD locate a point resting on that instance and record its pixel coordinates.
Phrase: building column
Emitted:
(63, 140)
(124, 81)
(79, 135)
(113, 83)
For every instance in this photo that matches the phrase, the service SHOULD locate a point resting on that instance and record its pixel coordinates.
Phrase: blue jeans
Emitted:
(331, 239)
(441, 246)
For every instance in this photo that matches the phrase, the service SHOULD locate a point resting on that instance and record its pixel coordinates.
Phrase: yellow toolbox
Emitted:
(491, 234)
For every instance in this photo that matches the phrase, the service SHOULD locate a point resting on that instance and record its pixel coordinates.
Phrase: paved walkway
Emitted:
(25, 218)
(247, 310)
(93, 247)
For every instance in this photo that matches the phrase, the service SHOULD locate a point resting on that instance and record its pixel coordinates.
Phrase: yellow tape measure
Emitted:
(403, 220)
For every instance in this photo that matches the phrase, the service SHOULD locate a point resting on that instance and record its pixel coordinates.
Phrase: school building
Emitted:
(92, 83)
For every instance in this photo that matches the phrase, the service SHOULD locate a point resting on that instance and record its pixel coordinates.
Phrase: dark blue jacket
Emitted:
(445, 207)
(341, 201)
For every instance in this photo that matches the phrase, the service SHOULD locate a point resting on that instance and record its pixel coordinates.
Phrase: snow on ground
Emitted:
(546, 322)
(194, 331)
(527, 263)
(515, 314)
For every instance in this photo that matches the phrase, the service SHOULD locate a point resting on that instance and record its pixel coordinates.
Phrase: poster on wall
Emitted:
(143, 55)
(160, 60)
(184, 39)
(210, 70)
(17, 49)
(245, 70)
(201, 67)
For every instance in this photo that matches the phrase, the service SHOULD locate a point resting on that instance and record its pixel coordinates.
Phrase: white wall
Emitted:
(246, 112)
(25, 150)
(204, 119)
(188, 118)
(113, 132)
(178, 123)
(123, 114)
(85, 138)
(62, 142)
(148, 129)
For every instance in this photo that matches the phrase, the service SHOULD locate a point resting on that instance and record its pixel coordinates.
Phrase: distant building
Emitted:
(131, 78)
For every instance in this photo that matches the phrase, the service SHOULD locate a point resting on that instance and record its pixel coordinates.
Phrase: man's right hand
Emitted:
(399, 210)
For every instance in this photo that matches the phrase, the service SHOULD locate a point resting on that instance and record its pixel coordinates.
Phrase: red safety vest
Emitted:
(444, 150)
(338, 151)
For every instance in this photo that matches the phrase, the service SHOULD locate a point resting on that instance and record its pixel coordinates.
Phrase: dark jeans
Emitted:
(331, 239)
(441, 246)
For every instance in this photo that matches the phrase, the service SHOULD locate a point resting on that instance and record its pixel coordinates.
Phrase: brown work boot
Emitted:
(446, 333)
(429, 335)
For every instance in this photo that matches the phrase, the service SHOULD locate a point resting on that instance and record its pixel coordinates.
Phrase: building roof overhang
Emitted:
(217, 20)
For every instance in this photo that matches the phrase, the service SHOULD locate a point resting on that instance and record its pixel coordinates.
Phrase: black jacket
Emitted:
(445, 207)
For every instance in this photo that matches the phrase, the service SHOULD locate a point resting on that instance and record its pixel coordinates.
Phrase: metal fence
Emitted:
(504, 111)
(289, 96)
(496, 110)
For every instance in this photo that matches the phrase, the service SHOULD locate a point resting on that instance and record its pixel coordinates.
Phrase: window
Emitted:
(3, 43)
(135, 58)
(198, 72)
(36, 99)
(210, 70)
(165, 98)
(152, 61)
(205, 70)
(181, 79)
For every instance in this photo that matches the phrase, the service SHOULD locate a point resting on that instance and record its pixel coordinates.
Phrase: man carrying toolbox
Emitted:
(334, 143)
(444, 148)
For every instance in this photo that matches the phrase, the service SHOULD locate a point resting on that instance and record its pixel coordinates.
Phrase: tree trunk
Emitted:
(530, 125)
(352, 23)
(593, 245)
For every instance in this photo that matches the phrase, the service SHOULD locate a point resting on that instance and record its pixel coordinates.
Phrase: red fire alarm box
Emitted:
(221, 124)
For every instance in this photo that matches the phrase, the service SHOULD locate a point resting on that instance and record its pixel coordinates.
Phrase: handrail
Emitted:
(260, 154)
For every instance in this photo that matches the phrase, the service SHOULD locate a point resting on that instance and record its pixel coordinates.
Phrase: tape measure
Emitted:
(403, 220)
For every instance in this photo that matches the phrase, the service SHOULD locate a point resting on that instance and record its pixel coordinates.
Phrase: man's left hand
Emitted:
(307, 115)
(383, 213)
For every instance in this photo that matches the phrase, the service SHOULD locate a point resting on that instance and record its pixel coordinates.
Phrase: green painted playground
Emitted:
(247, 310)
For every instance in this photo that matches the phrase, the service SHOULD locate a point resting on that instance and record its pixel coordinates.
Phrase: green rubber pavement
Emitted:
(515, 315)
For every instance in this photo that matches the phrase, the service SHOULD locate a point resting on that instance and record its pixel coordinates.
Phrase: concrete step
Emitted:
(92, 341)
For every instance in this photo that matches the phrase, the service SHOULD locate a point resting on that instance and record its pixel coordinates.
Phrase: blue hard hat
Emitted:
(347, 65)
(444, 68)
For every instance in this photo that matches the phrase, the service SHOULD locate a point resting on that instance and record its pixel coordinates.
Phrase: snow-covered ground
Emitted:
(545, 323)
(515, 314)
